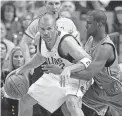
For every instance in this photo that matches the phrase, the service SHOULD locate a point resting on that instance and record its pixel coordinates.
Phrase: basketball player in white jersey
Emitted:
(58, 49)
(52, 7)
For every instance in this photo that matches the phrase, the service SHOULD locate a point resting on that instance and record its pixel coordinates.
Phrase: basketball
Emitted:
(16, 86)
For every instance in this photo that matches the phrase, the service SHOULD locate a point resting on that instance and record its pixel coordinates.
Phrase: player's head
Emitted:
(47, 27)
(95, 21)
(16, 58)
(53, 6)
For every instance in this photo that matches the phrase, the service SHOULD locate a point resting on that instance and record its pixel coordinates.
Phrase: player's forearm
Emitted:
(35, 62)
(76, 67)
(24, 43)
(86, 76)
(89, 72)
(81, 65)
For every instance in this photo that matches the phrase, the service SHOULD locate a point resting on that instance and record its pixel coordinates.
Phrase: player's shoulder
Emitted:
(105, 48)
(64, 34)
(107, 44)
(66, 37)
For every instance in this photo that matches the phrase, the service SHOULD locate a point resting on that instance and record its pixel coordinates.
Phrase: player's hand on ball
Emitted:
(11, 73)
(51, 68)
(19, 71)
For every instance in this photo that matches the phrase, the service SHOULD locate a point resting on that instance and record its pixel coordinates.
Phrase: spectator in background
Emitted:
(118, 19)
(10, 106)
(8, 17)
(26, 20)
(112, 4)
(20, 8)
(10, 45)
(3, 52)
(38, 5)
(68, 6)
(68, 10)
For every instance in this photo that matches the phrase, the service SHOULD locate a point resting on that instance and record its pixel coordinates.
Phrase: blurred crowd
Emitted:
(17, 15)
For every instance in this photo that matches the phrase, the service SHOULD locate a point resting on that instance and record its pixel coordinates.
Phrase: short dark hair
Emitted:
(98, 16)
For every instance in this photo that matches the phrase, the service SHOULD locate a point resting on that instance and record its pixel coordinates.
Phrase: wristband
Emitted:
(86, 61)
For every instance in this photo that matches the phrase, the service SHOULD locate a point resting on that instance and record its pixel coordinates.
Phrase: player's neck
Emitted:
(51, 44)
(98, 38)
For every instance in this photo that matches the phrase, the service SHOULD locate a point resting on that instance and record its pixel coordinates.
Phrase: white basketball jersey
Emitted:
(53, 56)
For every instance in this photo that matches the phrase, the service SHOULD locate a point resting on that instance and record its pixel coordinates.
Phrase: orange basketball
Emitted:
(16, 86)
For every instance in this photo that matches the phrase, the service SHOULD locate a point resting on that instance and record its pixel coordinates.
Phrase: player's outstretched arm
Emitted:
(24, 43)
(35, 62)
(30, 34)
(103, 54)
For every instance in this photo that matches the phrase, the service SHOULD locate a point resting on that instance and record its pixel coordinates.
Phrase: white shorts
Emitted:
(48, 92)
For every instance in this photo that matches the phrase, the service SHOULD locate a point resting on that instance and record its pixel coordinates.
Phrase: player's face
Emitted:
(53, 6)
(18, 59)
(91, 25)
(48, 30)
(3, 51)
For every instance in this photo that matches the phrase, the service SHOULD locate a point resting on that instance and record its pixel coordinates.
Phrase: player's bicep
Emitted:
(71, 47)
(37, 59)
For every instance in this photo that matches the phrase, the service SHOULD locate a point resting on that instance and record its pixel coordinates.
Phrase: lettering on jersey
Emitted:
(56, 61)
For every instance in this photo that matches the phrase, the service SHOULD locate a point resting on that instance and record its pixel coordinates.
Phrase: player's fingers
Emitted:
(47, 71)
(48, 66)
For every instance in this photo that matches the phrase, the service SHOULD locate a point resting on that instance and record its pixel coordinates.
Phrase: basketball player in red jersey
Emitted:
(104, 69)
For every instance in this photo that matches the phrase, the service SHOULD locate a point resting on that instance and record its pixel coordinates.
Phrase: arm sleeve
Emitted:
(32, 29)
